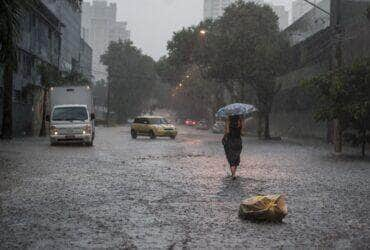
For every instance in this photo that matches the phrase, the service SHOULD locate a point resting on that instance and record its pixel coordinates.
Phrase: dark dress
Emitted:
(233, 143)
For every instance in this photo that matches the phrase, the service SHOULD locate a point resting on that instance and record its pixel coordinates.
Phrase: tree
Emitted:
(100, 93)
(344, 94)
(131, 79)
(187, 47)
(245, 48)
(195, 94)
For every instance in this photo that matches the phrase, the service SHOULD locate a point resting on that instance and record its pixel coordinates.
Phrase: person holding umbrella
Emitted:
(232, 140)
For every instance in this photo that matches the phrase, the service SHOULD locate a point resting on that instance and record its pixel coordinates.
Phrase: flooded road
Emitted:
(173, 194)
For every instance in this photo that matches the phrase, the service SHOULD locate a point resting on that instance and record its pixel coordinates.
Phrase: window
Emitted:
(17, 96)
(158, 121)
(70, 114)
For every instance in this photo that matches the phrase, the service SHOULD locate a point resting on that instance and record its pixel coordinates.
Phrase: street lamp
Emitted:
(202, 32)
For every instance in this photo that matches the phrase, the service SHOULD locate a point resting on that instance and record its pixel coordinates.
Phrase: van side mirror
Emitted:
(92, 116)
(47, 118)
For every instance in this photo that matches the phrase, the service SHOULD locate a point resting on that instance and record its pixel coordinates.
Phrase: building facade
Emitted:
(50, 35)
(74, 52)
(99, 28)
(299, 8)
(39, 44)
(309, 23)
(314, 51)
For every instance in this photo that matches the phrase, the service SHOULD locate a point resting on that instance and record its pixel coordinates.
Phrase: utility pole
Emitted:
(108, 104)
(337, 61)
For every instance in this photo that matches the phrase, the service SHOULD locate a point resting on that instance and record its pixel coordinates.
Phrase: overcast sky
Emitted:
(152, 22)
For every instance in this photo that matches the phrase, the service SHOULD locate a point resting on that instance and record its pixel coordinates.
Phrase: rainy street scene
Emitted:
(173, 124)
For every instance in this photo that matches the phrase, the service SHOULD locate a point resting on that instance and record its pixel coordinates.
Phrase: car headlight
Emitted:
(54, 130)
(87, 130)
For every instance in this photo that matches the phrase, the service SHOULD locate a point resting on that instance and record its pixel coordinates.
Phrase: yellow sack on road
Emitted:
(264, 208)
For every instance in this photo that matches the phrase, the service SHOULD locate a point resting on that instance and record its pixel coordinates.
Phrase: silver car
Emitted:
(218, 127)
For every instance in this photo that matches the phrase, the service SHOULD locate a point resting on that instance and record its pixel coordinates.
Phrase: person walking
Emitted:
(232, 142)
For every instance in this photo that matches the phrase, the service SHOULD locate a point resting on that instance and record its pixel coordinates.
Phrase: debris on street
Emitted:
(264, 208)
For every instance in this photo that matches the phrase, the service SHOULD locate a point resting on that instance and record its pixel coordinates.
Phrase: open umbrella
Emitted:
(236, 109)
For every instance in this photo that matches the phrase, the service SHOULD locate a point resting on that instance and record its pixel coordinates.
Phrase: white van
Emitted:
(72, 115)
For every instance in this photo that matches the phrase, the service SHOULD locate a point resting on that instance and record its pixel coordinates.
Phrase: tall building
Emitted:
(215, 8)
(99, 28)
(299, 8)
(283, 15)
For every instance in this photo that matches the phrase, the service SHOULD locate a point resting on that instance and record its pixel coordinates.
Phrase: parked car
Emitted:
(218, 127)
(202, 125)
(152, 126)
(190, 122)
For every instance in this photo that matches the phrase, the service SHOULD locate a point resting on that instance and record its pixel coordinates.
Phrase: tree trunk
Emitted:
(108, 104)
(7, 129)
(337, 137)
(363, 144)
(43, 122)
(259, 126)
(267, 127)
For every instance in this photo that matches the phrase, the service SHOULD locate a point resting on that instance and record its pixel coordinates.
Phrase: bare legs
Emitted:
(233, 172)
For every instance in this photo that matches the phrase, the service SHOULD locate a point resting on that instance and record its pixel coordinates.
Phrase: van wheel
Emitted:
(133, 134)
(173, 137)
(152, 135)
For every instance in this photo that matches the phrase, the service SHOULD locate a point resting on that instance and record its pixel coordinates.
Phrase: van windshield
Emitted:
(70, 114)
(158, 121)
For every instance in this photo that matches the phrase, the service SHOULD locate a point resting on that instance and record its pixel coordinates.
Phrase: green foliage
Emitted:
(242, 49)
(131, 79)
(100, 92)
(196, 97)
(187, 45)
(344, 94)
(52, 77)
(167, 71)
(245, 47)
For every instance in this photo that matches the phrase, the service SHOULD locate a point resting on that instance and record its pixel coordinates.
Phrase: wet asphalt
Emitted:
(176, 194)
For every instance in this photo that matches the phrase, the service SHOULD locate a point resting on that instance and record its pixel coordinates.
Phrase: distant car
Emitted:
(202, 125)
(152, 126)
(190, 122)
(218, 127)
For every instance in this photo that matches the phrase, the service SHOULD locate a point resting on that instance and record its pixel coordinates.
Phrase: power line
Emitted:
(318, 7)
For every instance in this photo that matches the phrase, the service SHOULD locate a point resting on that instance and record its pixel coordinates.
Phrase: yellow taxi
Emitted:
(152, 126)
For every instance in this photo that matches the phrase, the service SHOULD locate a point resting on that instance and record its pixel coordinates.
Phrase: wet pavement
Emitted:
(173, 194)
